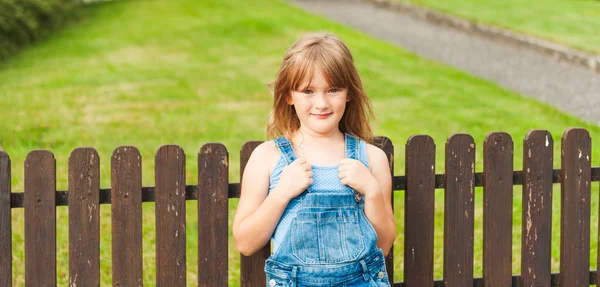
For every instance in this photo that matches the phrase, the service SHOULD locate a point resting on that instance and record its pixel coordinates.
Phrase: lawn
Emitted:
(572, 23)
(192, 72)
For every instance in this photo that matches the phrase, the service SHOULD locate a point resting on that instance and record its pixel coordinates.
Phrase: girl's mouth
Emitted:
(322, 116)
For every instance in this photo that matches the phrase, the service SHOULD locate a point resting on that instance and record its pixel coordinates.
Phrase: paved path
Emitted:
(572, 89)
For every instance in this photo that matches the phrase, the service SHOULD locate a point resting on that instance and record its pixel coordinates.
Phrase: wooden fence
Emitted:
(213, 190)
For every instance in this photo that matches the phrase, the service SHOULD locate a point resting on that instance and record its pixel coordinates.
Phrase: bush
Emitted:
(25, 21)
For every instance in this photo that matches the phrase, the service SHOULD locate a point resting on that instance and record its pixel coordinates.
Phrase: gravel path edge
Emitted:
(547, 48)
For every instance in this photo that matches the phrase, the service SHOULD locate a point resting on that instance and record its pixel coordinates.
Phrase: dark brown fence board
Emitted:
(252, 267)
(5, 222)
(388, 148)
(537, 208)
(575, 208)
(213, 215)
(84, 217)
(498, 153)
(126, 182)
(169, 172)
(419, 204)
(459, 211)
(40, 219)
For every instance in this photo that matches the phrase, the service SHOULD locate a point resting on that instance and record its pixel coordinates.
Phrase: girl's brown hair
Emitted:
(328, 54)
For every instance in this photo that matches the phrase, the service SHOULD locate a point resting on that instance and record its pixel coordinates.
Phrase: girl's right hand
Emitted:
(295, 178)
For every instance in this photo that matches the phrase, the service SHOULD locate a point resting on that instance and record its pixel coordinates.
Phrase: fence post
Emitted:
(84, 217)
(536, 239)
(459, 211)
(252, 267)
(575, 208)
(169, 211)
(498, 159)
(419, 202)
(388, 148)
(5, 222)
(213, 214)
(126, 198)
(40, 219)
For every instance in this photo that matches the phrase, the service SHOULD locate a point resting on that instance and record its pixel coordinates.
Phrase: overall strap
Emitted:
(356, 149)
(285, 148)
(352, 147)
(287, 152)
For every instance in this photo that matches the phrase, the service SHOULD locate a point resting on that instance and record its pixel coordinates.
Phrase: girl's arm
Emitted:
(258, 210)
(378, 205)
(257, 213)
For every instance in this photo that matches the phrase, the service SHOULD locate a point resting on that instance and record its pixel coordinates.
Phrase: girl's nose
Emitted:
(321, 100)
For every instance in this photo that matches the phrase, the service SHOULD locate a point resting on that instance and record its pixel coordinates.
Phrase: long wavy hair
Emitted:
(326, 53)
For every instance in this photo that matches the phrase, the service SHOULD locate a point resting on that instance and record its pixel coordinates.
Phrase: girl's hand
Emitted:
(295, 178)
(356, 175)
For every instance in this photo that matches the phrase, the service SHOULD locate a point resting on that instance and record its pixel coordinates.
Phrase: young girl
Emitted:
(320, 190)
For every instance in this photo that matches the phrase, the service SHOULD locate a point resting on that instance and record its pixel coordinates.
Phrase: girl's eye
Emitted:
(308, 92)
(334, 90)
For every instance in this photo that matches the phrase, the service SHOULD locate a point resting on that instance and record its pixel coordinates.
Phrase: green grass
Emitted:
(191, 72)
(572, 23)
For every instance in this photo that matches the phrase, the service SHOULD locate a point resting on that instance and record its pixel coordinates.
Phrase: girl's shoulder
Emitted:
(376, 156)
(268, 155)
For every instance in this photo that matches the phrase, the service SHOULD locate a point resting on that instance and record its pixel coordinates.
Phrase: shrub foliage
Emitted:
(25, 21)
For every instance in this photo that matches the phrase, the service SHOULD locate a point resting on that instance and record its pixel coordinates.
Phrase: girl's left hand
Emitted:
(356, 175)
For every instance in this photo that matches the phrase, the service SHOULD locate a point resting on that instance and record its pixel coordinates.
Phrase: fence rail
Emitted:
(233, 189)
(213, 190)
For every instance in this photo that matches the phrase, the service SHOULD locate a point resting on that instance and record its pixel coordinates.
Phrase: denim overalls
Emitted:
(324, 238)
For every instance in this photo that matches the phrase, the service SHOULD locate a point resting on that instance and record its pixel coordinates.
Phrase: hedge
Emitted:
(25, 21)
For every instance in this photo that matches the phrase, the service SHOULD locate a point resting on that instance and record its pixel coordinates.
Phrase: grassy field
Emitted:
(191, 72)
(572, 23)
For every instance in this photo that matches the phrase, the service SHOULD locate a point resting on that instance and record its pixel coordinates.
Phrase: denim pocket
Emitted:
(327, 236)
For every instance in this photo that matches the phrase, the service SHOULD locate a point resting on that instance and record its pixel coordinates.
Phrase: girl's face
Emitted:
(319, 106)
